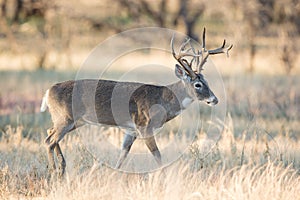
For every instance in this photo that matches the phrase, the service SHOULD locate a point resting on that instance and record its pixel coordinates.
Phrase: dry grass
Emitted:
(246, 168)
(254, 154)
(256, 157)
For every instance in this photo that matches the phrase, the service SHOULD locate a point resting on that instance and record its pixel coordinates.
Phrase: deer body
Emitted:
(138, 108)
(59, 99)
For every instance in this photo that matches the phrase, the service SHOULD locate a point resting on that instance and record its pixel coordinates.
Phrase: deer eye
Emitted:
(198, 85)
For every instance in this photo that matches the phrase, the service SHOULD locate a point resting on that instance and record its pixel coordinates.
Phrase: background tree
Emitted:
(56, 22)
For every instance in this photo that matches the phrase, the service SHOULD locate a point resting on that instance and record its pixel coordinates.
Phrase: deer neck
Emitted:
(181, 98)
(181, 91)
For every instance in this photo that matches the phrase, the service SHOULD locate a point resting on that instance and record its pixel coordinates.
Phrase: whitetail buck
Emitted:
(142, 119)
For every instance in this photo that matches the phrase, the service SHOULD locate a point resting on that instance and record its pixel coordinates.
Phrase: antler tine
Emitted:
(196, 54)
(203, 58)
(188, 68)
(221, 49)
(179, 57)
(203, 61)
(203, 38)
(183, 45)
(193, 49)
(182, 54)
(172, 46)
(197, 59)
(205, 53)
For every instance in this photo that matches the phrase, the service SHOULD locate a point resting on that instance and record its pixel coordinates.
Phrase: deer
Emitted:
(142, 118)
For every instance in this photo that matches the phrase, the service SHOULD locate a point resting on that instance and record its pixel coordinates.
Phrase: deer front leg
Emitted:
(152, 146)
(126, 146)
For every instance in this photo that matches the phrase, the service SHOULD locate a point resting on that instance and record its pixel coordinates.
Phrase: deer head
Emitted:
(188, 57)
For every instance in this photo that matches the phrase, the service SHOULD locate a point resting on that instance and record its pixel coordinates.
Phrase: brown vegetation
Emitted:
(256, 153)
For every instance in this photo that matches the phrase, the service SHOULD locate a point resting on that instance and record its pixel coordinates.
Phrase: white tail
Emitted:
(44, 104)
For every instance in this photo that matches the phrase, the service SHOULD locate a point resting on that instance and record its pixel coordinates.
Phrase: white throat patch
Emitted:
(186, 102)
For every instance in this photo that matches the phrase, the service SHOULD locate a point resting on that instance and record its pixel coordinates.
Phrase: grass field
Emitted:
(249, 150)
(255, 156)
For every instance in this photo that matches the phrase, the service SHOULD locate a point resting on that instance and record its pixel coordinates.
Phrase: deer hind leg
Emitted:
(54, 136)
(61, 160)
(50, 152)
(152, 146)
(128, 140)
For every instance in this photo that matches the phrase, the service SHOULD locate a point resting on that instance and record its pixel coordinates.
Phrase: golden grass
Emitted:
(253, 167)
(256, 157)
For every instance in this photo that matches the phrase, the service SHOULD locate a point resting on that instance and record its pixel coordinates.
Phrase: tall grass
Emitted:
(229, 168)
(255, 155)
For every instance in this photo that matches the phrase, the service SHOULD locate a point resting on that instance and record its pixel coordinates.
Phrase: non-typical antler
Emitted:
(195, 54)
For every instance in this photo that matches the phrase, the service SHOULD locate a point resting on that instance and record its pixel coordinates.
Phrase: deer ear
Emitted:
(180, 72)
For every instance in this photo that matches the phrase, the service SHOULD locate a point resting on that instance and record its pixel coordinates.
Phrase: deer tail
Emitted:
(44, 104)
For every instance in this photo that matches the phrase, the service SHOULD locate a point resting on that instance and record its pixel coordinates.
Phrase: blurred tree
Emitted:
(47, 25)
(6, 31)
(190, 14)
(17, 11)
(3, 8)
(49, 22)
(286, 16)
(254, 19)
(187, 10)
(266, 18)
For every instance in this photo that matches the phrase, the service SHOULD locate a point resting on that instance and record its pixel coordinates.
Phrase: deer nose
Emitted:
(212, 100)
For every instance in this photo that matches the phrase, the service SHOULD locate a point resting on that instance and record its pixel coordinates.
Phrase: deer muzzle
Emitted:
(212, 100)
